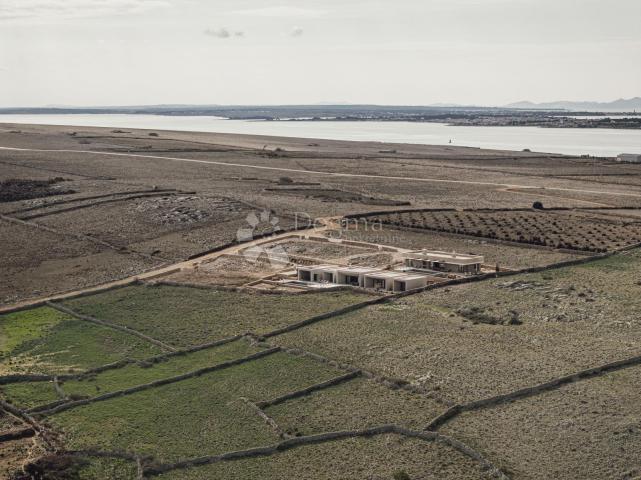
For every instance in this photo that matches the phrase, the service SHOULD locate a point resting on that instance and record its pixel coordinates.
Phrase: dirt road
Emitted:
(321, 225)
(329, 174)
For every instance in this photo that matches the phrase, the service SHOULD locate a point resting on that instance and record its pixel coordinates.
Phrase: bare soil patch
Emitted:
(35, 263)
(321, 250)
(228, 270)
(334, 195)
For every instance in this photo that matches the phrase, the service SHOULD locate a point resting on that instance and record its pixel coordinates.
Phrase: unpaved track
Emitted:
(159, 272)
(329, 174)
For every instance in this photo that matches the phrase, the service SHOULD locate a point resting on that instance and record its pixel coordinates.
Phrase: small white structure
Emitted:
(629, 158)
(444, 262)
(394, 281)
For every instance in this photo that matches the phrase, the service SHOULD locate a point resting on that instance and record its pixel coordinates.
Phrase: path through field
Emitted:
(330, 174)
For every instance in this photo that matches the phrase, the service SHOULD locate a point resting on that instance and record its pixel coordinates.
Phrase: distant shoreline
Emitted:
(454, 116)
(595, 142)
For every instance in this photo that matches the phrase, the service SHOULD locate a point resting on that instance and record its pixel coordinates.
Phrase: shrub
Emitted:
(514, 318)
(52, 467)
(400, 475)
(476, 315)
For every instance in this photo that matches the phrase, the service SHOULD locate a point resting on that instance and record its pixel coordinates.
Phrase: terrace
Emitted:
(444, 261)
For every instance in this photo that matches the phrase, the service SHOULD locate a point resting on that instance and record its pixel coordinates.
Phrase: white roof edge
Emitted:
(359, 269)
(454, 257)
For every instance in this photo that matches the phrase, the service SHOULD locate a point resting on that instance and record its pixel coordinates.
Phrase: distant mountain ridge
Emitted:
(620, 105)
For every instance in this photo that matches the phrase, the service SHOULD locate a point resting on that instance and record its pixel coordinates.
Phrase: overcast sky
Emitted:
(483, 52)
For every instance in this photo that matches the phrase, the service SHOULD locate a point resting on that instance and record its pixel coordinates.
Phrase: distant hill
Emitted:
(621, 105)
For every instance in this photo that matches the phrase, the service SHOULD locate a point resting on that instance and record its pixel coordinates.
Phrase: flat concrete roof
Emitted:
(450, 257)
(413, 277)
(395, 275)
(317, 267)
(357, 270)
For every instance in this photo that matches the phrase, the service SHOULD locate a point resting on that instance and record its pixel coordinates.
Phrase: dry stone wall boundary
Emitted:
(155, 384)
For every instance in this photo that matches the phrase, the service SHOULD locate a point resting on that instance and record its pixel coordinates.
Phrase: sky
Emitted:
(395, 52)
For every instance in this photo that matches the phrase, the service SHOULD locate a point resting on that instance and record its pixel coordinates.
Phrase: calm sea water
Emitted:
(601, 142)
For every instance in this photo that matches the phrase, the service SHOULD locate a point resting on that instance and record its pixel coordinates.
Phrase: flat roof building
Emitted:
(364, 277)
(394, 281)
(629, 158)
(317, 273)
(444, 262)
(354, 276)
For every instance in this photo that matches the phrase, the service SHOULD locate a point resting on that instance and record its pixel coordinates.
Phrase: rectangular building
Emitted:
(354, 276)
(364, 277)
(629, 158)
(317, 273)
(394, 281)
(444, 262)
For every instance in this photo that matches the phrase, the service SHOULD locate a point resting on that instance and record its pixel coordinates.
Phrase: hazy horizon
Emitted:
(246, 52)
(310, 104)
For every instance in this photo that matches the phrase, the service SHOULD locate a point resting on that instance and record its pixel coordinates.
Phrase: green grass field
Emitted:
(20, 327)
(136, 374)
(28, 395)
(44, 340)
(112, 469)
(183, 316)
(200, 416)
(424, 339)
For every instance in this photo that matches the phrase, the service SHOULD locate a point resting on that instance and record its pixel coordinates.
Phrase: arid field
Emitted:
(145, 331)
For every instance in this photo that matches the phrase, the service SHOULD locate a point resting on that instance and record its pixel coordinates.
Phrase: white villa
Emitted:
(420, 268)
(363, 277)
(434, 261)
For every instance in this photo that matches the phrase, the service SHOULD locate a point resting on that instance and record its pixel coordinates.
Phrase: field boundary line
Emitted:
(266, 418)
(320, 438)
(308, 390)
(249, 289)
(490, 210)
(82, 199)
(78, 236)
(325, 316)
(531, 391)
(22, 378)
(45, 228)
(96, 203)
(11, 435)
(39, 430)
(391, 383)
(155, 384)
(108, 324)
(58, 388)
(494, 241)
